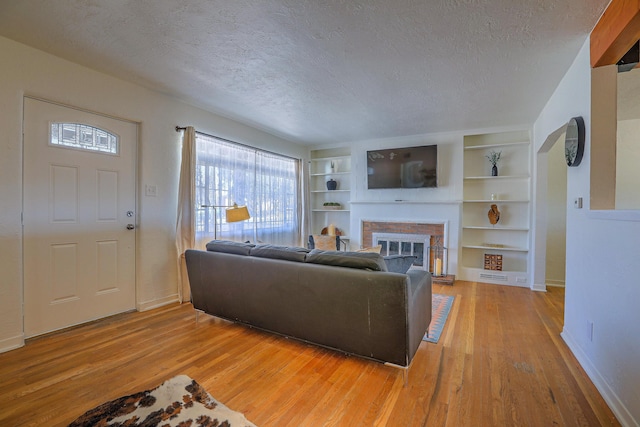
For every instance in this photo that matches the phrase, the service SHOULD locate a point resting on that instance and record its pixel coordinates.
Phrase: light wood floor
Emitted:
(499, 362)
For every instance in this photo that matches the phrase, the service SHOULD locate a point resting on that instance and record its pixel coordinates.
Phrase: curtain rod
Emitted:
(180, 128)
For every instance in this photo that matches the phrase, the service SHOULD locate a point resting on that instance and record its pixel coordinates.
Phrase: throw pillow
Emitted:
(375, 249)
(324, 242)
(399, 263)
(361, 260)
(286, 253)
(229, 247)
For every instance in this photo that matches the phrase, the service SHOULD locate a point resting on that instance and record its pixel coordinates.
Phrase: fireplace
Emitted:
(405, 244)
(408, 238)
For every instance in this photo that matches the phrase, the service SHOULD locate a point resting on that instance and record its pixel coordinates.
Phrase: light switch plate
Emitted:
(151, 190)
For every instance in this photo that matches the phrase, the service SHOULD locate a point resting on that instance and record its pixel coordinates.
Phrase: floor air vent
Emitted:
(492, 276)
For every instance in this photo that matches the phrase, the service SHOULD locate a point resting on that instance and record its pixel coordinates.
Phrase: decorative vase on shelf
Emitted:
(494, 158)
(494, 214)
(331, 167)
(332, 184)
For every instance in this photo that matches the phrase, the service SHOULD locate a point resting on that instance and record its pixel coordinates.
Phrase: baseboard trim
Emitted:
(556, 283)
(617, 406)
(157, 303)
(12, 343)
(539, 288)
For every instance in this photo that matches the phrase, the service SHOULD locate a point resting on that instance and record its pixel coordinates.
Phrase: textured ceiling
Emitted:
(318, 72)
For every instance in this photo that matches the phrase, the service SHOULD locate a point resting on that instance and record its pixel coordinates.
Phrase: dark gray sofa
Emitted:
(379, 315)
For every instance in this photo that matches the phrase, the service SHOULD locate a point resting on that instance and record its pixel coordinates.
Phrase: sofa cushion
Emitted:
(399, 263)
(229, 247)
(361, 260)
(288, 253)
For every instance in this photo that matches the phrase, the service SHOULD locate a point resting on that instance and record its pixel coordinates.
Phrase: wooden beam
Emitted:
(615, 33)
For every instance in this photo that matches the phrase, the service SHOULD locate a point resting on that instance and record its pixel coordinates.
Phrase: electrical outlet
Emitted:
(150, 190)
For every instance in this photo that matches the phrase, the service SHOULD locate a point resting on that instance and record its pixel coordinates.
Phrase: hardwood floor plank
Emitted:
(499, 361)
(372, 415)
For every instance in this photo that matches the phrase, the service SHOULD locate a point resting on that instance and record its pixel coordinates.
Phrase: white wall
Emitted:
(556, 215)
(602, 264)
(627, 161)
(441, 204)
(27, 71)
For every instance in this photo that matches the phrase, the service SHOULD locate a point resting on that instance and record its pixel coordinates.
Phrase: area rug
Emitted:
(179, 401)
(440, 307)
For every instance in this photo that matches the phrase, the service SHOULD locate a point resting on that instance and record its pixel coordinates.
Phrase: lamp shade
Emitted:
(237, 213)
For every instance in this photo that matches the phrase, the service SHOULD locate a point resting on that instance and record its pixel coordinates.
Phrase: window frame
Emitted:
(214, 185)
(78, 146)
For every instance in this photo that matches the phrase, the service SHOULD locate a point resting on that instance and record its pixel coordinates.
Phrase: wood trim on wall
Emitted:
(604, 120)
(615, 33)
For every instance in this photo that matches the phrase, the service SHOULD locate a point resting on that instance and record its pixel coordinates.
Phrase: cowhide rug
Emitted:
(179, 401)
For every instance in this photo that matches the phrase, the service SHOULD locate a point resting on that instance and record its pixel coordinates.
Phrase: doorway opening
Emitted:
(550, 212)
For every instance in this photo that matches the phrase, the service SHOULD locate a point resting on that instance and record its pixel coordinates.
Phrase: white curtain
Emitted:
(228, 173)
(304, 207)
(185, 226)
(276, 200)
(222, 169)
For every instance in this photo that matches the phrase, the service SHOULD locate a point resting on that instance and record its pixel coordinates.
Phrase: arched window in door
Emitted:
(83, 137)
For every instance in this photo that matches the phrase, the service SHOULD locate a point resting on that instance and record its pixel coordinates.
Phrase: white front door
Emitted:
(78, 216)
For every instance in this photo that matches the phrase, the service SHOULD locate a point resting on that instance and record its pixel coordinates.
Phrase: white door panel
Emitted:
(79, 256)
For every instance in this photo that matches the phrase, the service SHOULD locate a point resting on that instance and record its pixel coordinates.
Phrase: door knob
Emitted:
(130, 226)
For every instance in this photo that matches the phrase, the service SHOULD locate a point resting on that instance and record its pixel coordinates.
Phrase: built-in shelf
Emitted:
(325, 159)
(510, 190)
(505, 177)
(490, 146)
(416, 202)
(330, 191)
(494, 272)
(330, 173)
(484, 227)
(496, 201)
(493, 248)
(320, 171)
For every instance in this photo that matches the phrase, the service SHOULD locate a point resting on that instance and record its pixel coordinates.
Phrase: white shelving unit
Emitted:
(320, 172)
(510, 191)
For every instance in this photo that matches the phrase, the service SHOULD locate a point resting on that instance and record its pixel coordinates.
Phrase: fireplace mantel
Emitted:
(408, 202)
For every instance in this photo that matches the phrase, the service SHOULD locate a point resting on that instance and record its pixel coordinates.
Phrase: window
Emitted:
(83, 137)
(267, 183)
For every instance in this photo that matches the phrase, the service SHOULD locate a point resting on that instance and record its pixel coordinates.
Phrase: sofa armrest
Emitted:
(419, 313)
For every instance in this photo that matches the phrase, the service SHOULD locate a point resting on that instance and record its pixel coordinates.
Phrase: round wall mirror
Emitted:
(574, 141)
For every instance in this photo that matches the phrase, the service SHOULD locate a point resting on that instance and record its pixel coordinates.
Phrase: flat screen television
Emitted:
(409, 167)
